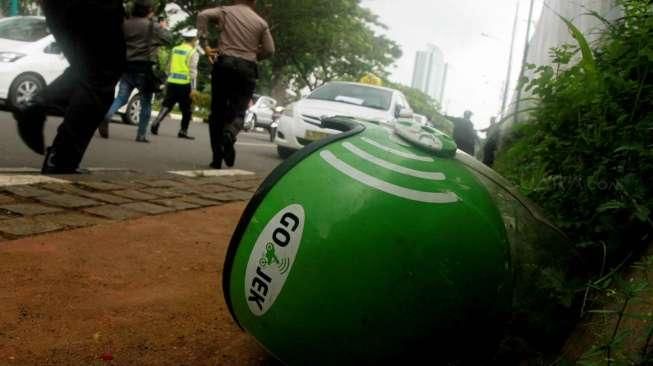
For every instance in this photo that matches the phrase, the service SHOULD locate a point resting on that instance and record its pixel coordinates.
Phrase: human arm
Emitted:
(192, 65)
(215, 16)
(267, 48)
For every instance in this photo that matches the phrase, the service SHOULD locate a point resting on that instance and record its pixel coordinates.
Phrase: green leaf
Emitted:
(611, 205)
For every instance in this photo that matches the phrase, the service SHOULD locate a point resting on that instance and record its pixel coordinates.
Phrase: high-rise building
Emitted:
(430, 73)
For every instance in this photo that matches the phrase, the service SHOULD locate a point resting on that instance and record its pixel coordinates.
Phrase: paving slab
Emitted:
(161, 183)
(27, 191)
(63, 188)
(75, 220)
(135, 195)
(162, 192)
(148, 208)
(200, 201)
(113, 212)
(28, 226)
(101, 186)
(107, 198)
(29, 209)
(68, 201)
(176, 204)
(230, 196)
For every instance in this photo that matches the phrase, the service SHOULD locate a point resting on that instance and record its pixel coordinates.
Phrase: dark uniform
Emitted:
(244, 39)
(89, 33)
(464, 133)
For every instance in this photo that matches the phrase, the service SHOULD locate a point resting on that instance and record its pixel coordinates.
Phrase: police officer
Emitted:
(245, 38)
(182, 83)
(95, 49)
(464, 133)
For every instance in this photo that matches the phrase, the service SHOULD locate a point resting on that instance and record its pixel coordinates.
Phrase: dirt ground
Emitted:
(143, 292)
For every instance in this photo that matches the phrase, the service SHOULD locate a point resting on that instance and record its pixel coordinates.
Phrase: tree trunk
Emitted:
(279, 85)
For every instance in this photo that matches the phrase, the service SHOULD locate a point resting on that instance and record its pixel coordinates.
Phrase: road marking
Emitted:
(370, 181)
(394, 167)
(254, 144)
(24, 179)
(212, 173)
(402, 154)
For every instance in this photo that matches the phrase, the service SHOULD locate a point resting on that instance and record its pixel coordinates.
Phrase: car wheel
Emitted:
(284, 152)
(24, 88)
(132, 114)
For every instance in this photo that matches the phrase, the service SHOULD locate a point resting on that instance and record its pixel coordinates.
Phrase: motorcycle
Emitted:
(249, 122)
(276, 116)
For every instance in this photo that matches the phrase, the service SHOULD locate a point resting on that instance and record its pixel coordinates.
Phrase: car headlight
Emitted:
(11, 56)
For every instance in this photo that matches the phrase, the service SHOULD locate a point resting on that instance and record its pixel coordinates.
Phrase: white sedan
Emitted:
(30, 59)
(301, 122)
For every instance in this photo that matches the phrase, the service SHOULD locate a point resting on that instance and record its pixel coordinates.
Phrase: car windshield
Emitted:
(354, 94)
(23, 29)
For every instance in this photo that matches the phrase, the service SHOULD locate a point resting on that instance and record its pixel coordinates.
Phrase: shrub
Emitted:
(586, 152)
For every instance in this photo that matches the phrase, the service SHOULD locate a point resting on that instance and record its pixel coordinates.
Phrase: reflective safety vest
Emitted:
(179, 64)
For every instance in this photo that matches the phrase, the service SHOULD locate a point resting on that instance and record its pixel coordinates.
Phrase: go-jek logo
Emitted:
(272, 259)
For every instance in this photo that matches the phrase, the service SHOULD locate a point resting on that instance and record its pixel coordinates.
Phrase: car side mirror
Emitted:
(53, 49)
(406, 113)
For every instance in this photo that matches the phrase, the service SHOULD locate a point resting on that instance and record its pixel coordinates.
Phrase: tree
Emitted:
(317, 41)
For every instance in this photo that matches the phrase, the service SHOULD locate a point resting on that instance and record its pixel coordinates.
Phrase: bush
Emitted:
(585, 154)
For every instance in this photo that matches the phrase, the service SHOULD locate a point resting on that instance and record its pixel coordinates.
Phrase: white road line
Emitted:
(394, 167)
(402, 154)
(368, 180)
(254, 144)
(23, 180)
(211, 173)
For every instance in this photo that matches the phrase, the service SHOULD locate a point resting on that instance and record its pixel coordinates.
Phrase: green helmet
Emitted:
(384, 244)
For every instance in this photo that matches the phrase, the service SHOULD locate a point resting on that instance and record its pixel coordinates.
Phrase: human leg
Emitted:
(219, 99)
(185, 105)
(96, 56)
(167, 105)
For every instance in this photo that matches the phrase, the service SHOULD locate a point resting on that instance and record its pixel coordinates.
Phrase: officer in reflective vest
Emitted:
(182, 83)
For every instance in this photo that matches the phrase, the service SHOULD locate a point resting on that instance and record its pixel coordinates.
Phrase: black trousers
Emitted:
(90, 34)
(233, 81)
(179, 94)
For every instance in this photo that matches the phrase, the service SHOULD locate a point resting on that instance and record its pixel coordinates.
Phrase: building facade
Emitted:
(430, 72)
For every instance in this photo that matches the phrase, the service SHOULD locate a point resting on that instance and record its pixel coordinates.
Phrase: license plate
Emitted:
(315, 135)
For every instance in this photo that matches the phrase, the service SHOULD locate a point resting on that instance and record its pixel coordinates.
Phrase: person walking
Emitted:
(182, 83)
(464, 133)
(143, 37)
(94, 47)
(245, 39)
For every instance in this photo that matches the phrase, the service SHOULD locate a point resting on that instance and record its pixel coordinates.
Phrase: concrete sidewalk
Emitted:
(138, 284)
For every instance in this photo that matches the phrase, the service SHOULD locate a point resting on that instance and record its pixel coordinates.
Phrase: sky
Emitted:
(474, 36)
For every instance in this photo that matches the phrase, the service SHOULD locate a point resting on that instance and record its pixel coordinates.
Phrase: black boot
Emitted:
(103, 129)
(30, 118)
(157, 122)
(228, 150)
(183, 134)
(50, 166)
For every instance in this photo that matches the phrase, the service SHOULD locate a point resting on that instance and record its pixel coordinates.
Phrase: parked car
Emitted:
(30, 59)
(261, 111)
(301, 122)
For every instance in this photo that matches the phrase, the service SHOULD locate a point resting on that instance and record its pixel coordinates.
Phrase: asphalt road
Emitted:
(165, 152)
